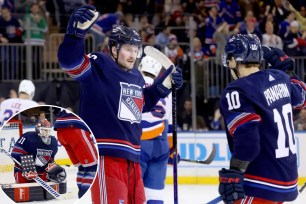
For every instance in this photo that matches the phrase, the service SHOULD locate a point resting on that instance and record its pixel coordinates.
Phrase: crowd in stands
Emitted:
(166, 25)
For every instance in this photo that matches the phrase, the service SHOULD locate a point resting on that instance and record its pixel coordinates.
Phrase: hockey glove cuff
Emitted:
(163, 82)
(231, 185)
(81, 21)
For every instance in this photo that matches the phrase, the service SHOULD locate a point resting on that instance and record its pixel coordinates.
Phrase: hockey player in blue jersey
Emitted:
(156, 127)
(43, 147)
(257, 110)
(74, 135)
(112, 102)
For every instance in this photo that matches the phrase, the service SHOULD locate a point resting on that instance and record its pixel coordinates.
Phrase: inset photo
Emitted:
(48, 155)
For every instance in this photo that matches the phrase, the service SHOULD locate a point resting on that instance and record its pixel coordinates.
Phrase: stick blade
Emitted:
(158, 56)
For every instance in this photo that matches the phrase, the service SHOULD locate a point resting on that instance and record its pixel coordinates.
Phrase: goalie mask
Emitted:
(44, 131)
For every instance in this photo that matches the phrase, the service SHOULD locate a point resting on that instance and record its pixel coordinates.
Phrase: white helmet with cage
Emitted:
(44, 131)
(27, 86)
(150, 65)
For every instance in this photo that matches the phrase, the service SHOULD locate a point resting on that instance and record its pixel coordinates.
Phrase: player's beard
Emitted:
(126, 65)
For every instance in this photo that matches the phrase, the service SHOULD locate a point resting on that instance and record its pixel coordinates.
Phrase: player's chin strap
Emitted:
(234, 73)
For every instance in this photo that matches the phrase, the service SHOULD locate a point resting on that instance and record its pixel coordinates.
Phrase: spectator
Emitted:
(284, 26)
(278, 10)
(251, 28)
(10, 29)
(270, 39)
(180, 32)
(173, 51)
(292, 41)
(198, 54)
(229, 10)
(145, 25)
(269, 17)
(103, 25)
(300, 16)
(184, 119)
(300, 123)
(212, 23)
(151, 40)
(36, 24)
(248, 16)
(221, 37)
(162, 37)
(128, 20)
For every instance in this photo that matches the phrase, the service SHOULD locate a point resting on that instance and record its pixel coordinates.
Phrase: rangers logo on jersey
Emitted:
(43, 157)
(130, 104)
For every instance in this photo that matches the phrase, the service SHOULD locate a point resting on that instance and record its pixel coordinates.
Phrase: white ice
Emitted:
(187, 194)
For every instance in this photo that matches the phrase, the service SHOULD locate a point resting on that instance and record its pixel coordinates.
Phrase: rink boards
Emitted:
(198, 145)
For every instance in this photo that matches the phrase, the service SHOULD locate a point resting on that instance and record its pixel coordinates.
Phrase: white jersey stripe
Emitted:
(269, 184)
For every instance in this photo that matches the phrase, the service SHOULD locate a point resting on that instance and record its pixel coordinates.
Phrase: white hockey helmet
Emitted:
(150, 65)
(27, 86)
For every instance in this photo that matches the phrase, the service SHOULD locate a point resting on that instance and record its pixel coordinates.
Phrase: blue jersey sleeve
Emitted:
(72, 57)
(242, 123)
(298, 92)
(20, 149)
(151, 97)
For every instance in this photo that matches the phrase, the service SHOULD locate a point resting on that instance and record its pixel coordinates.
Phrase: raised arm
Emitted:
(71, 52)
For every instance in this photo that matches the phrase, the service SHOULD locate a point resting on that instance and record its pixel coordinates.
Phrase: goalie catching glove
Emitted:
(55, 173)
(81, 21)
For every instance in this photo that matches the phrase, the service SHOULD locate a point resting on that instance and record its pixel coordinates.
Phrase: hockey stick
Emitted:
(216, 200)
(166, 63)
(302, 188)
(38, 180)
(206, 161)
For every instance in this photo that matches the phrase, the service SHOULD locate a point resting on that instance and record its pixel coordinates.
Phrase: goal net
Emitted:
(9, 134)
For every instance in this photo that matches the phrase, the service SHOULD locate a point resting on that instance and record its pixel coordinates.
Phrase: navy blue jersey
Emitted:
(112, 99)
(31, 143)
(257, 111)
(64, 120)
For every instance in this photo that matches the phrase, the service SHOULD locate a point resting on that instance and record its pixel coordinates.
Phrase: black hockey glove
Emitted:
(171, 159)
(81, 20)
(55, 173)
(278, 59)
(231, 185)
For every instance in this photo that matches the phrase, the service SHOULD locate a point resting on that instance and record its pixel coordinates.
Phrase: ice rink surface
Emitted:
(188, 194)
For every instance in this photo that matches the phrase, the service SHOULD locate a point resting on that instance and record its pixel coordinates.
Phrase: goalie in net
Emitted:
(43, 147)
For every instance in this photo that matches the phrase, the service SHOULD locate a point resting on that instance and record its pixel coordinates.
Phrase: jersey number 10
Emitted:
(282, 150)
(284, 130)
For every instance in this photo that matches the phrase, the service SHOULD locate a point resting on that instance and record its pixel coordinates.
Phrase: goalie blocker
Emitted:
(27, 192)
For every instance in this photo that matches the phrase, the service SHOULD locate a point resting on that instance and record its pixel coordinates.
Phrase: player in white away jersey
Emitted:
(11, 106)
